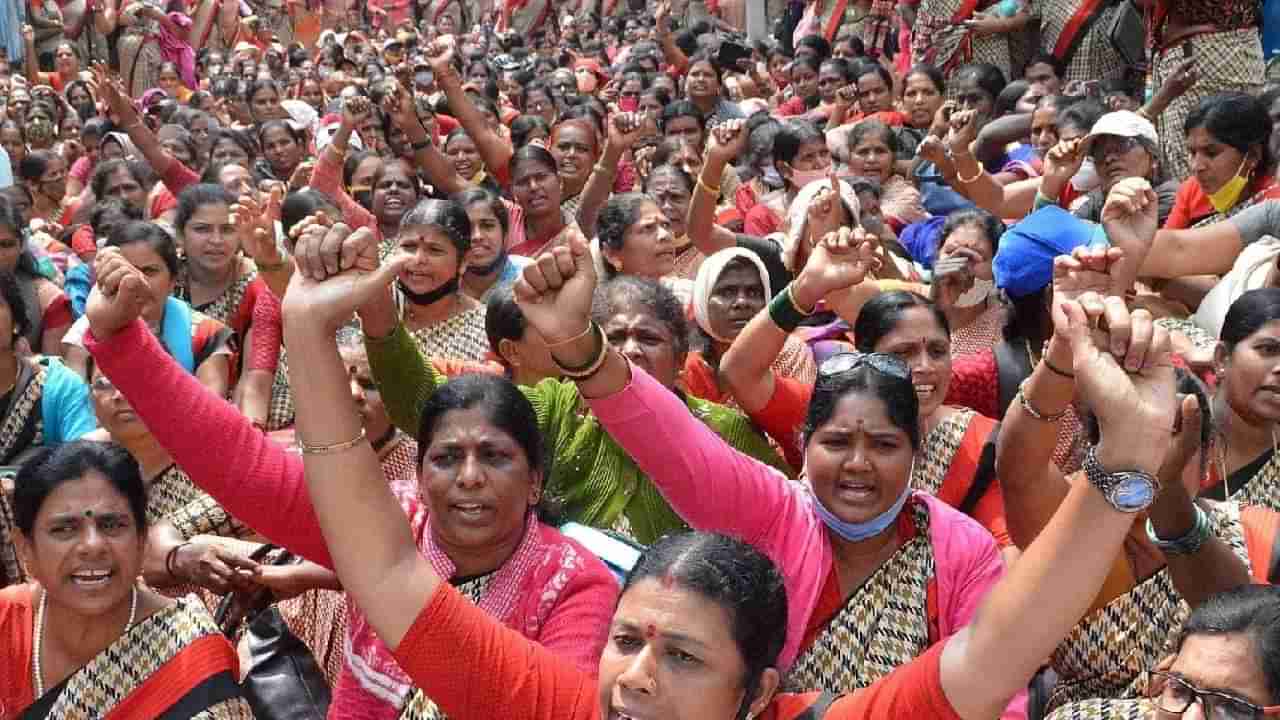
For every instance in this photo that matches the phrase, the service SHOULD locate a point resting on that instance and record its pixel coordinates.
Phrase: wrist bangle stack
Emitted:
(1190, 542)
(784, 312)
(308, 449)
(1031, 410)
(171, 556)
(582, 372)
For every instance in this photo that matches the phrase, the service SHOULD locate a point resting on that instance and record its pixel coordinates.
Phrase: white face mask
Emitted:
(801, 178)
(976, 295)
(1087, 178)
(772, 178)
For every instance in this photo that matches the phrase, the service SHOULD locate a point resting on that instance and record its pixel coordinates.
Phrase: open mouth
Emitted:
(925, 391)
(471, 512)
(91, 578)
(858, 493)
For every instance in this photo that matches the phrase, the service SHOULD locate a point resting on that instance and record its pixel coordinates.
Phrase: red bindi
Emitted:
(650, 631)
(668, 581)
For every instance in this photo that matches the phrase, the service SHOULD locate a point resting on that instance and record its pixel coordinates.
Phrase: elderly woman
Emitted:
(81, 522)
(495, 544)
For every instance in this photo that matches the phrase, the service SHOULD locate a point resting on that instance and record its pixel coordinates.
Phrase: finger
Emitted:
(550, 268)
(564, 262)
(235, 561)
(331, 248)
(1191, 420)
(355, 246)
(1082, 348)
(1141, 329)
(1093, 305)
(1120, 325)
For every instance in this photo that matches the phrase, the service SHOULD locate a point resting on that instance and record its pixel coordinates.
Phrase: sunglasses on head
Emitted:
(884, 363)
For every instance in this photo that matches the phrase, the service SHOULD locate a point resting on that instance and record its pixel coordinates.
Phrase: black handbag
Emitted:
(1128, 34)
(283, 679)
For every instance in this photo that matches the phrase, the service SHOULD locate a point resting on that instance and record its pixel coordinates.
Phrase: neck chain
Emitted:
(36, 668)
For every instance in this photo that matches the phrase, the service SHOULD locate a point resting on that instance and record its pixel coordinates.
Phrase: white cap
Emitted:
(1123, 123)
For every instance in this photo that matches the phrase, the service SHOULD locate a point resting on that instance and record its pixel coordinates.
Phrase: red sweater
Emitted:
(473, 667)
(262, 484)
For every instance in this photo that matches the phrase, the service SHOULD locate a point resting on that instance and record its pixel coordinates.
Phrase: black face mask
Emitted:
(491, 267)
(430, 297)
(364, 197)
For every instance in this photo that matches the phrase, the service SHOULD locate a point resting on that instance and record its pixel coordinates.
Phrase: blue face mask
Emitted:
(853, 532)
(772, 178)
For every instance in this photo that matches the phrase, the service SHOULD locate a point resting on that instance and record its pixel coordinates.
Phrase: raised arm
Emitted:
(494, 149)
(117, 99)
(438, 168)
(254, 478)
(30, 63)
(666, 39)
(624, 130)
(726, 142)
(379, 563)
(1053, 583)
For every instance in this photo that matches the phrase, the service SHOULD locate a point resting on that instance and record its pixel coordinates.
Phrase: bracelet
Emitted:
(1031, 410)
(1190, 542)
(713, 191)
(603, 170)
(582, 372)
(784, 312)
(307, 449)
(969, 181)
(170, 556)
(1057, 370)
(590, 328)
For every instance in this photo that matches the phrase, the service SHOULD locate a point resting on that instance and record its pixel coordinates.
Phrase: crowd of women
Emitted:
(555, 361)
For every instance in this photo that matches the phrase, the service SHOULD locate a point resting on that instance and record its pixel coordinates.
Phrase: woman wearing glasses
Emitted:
(875, 571)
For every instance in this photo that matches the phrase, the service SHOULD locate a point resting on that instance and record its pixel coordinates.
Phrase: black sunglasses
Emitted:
(1179, 695)
(890, 365)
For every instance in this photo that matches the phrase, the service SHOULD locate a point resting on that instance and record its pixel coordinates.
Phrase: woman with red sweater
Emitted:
(476, 516)
(699, 627)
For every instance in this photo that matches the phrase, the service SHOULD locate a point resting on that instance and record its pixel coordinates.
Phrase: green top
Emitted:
(599, 483)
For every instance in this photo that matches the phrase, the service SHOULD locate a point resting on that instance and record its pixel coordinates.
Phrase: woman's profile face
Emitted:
(671, 654)
(1252, 381)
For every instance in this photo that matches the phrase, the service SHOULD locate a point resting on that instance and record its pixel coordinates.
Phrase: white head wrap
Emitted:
(798, 216)
(709, 273)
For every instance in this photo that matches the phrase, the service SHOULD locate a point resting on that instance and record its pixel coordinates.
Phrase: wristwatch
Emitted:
(1128, 491)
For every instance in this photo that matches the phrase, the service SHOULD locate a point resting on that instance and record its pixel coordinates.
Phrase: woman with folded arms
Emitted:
(696, 632)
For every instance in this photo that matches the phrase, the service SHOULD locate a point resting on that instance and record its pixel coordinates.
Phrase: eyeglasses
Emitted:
(1179, 695)
(884, 363)
(102, 384)
(1112, 144)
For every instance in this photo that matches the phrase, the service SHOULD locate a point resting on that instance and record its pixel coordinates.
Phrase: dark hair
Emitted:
(11, 216)
(792, 136)
(299, 136)
(352, 163)
(35, 165)
(532, 153)
(248, 143)
(737, 577)
(524, 126)
(989, 224)
(618, 214)
(300, 204)
(705, 56)
(1249, 610)
(881, 315)
(136, 231)
(503, 318)
(1248, 314)
(1047, 58)
(257, 84)
(182, 135)
(197, 196)
(447, 215)
(679, 109)
(1081, 115)
(862, 68)
(674, 171)
(536, 86)
(476, 195)
(11, 293)
(213, 171)
(817, 43)
(989, 78)
(871, 127)
(506, 408)
(109, 213)
(1238, 120)
(809, 61)
(1007, 100)
(631, 292)
(51, 467)
(898, 395)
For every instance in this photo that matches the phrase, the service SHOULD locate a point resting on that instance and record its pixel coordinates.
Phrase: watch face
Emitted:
(1132, 492)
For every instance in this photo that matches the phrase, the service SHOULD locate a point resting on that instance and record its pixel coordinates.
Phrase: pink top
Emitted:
(267, 334)
(326, 177)
(552, 590)
(718, 489)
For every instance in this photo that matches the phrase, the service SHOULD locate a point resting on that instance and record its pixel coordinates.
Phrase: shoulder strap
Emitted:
(818, 709)
(1012, 367)
(984, 475)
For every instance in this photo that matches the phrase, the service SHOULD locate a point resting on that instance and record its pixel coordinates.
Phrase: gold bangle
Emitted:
(585, 371)
(591, 326)
(712, 191)
(602, 169)
(338, 447)
(969, 181)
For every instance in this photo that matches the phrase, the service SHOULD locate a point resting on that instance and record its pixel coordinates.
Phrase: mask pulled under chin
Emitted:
(772, 178)
(1087, 178)
(802, 178)
(1229, 194)
(976, 295)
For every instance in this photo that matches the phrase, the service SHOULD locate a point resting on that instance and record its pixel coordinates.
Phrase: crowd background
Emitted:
(576, 360)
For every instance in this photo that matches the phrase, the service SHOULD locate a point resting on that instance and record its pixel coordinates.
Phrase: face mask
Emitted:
(629, 104)
(977, 294)
(1227, 195)
(772, 178)
(853, 532)
(1087, 178)
(801, 178)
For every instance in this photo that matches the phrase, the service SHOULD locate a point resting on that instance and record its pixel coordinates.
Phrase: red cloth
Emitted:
(975, 383)
(177, 177)
(162, 202)
(267, 334)
(262, 484)
(57, 314)
(473, 667)
(761, 221)
(83, 242)
(1192, 204)
(17, 614)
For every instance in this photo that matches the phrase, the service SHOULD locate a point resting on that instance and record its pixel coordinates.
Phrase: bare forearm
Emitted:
(747, 367)
(596, 192)
(701, 219)
(1214, 567)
